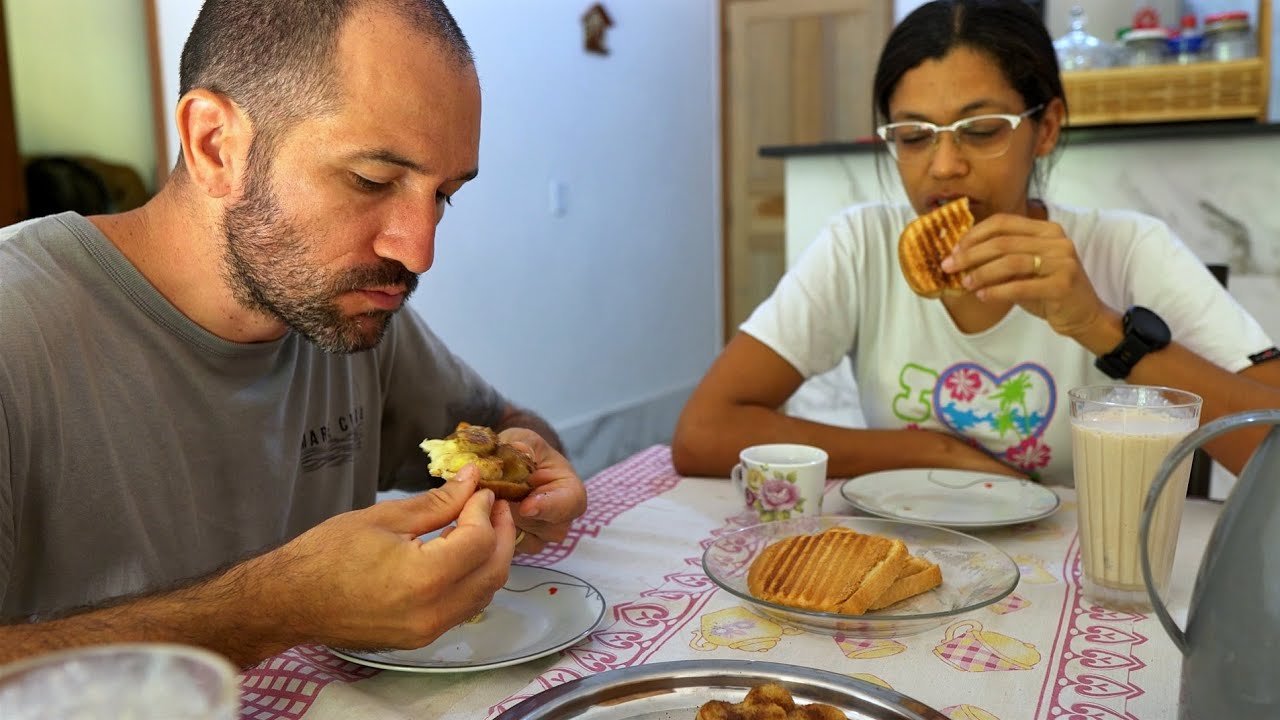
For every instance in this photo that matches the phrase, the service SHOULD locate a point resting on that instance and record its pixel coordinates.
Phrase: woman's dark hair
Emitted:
(1010, 32)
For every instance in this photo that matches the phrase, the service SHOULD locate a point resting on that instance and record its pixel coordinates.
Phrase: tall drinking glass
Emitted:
(106, 682)
(1119, 435)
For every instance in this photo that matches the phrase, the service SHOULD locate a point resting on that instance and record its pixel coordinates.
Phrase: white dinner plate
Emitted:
(951, 498)
(538, 612)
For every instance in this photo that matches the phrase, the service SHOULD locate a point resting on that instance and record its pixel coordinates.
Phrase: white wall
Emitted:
(617, 302)
(67, 100)
(602, 319)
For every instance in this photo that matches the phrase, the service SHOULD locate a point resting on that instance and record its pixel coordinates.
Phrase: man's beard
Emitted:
(267, 267)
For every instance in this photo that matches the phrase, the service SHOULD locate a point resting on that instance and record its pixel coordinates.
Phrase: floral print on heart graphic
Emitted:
(1006, 414)
(773, 493)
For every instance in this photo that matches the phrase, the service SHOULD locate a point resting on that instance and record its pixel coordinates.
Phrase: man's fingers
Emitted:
(553, 503)
(504, 526)
(428, 511)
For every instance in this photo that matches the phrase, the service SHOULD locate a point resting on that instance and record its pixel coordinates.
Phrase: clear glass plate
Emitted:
(974, 574)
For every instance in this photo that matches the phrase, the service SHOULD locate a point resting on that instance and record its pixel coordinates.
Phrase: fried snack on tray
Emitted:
(768, 702)
(503, 468)
(839, 571)
(928, 240)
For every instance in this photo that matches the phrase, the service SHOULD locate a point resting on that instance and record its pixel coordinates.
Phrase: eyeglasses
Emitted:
(979, 137)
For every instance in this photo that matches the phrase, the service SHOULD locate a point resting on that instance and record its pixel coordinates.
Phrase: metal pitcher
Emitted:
(1231, 647)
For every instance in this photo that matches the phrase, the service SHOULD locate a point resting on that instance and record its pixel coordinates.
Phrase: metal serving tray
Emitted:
(675, 691)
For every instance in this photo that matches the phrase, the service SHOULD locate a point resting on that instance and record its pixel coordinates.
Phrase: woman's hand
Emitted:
(1017, 259)
(959, 454)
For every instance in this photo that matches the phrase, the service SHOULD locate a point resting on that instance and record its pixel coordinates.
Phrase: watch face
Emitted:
(1148, 326)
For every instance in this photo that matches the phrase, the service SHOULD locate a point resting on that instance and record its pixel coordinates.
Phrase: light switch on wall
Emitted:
(557, 198)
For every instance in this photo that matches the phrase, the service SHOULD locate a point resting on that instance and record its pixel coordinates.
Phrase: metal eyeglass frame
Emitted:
(1014, 121)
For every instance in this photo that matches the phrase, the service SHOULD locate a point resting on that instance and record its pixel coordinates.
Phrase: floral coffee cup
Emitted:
(781, 481)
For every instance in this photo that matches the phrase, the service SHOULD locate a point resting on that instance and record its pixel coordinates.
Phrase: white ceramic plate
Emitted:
(538, 612)
(951, 498)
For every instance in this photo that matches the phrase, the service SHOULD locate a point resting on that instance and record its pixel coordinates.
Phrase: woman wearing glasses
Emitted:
(972, 105)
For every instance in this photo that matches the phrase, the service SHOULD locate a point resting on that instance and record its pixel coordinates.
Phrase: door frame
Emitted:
(726, 332)
(727, 326)
(159, 113)
(13, 204)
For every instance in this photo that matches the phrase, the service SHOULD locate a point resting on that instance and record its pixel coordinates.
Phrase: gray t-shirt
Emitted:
(137, 449)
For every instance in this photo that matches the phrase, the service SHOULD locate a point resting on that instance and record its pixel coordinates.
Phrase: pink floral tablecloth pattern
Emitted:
(1042, 652)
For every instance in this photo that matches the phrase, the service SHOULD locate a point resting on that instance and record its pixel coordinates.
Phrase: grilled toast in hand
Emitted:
(839, 571)
(503, 468)
(928, 240)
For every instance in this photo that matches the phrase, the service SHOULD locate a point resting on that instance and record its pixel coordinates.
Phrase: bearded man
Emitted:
(199, 399)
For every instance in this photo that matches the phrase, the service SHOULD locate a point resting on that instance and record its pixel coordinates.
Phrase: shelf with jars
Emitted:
(1225, 82)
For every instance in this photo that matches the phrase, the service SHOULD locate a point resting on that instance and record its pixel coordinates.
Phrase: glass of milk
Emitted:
(143, 681)
(1119, 436)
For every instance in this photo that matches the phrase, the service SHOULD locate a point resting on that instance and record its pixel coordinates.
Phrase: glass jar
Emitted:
(1186, 46)
(1229, 36)
(1146, 46)
(1078, 50)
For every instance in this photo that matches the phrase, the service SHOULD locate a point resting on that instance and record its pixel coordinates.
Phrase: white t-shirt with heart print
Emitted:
(1005, 388)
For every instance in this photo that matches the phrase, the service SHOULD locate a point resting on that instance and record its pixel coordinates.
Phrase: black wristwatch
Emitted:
(1144, 332)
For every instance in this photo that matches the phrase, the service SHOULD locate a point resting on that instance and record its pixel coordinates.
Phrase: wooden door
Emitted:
(795, 71)
(13, 201)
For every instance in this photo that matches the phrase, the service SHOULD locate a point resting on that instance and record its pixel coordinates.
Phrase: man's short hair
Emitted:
(276, 58)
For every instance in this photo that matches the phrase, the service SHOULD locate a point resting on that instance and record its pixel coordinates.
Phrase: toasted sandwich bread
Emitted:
(918, 575)
(837, 570)
(927, 241)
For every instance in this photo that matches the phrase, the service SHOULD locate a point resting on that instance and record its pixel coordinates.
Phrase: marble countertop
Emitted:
(1074, 136)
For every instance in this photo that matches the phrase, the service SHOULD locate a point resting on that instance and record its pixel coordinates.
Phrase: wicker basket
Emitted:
(1173, 93)
(1168, 93)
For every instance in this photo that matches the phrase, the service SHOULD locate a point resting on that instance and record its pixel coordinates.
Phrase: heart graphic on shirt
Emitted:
(1005, 413)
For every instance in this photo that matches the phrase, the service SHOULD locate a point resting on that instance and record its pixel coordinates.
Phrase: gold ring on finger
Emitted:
(520, 536)
(1036, 262)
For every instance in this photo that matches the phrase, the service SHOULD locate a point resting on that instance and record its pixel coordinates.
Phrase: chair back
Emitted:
(1201, 463)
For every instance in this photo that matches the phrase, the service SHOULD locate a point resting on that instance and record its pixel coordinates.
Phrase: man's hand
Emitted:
(364, 579)
(558, 495)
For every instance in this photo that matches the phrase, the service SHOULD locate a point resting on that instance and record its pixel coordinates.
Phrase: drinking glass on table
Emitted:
(143, 681)
(1120, 434)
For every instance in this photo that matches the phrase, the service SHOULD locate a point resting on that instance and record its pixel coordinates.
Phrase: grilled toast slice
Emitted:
(918, 575)
(837, 570)
(927, 241)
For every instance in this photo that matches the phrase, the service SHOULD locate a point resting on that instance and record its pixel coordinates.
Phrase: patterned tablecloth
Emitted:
(1039, 653)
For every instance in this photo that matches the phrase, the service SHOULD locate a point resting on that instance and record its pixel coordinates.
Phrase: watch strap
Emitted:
(1118, 363)
(1144, 332)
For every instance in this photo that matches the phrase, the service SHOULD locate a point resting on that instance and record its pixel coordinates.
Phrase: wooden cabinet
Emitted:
(794, 71)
